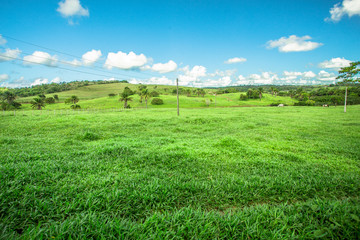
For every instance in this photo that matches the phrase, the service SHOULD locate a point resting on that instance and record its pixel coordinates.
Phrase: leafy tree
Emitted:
(291, 93)
(243, 97)
(351, 73)
(72, 100)
(188, 92)
(38, 103)
(56, 97)
(249, 93)
(125, 96)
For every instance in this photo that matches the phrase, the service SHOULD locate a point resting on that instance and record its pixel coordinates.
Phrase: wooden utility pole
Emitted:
(345, 100)
(177, 95)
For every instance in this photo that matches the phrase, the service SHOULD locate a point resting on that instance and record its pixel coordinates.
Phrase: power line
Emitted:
(73, 70)
(54, 50)
(64, 62)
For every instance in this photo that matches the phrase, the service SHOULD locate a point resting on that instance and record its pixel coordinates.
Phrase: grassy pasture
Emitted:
(96, 96)
(212, 173)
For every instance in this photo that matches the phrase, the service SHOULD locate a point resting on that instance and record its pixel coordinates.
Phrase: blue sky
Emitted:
(203, 43)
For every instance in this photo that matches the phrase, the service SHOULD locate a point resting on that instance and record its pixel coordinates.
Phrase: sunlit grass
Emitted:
(211, 173)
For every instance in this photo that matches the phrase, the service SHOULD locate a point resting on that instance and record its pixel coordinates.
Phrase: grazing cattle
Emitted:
(325, 105)
(280, 105)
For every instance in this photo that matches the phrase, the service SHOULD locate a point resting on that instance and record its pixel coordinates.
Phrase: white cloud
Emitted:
(4, 77)
(109, 79)
(74, 63)
(9, 54)
(39, 81)
(293, 44)
(191, 75)
(2, 40)
(235, 60)
(309, 74)
(91, 57)
(161, 81)
(347, 7)
(69, 8)
(335, 63)
(56, 80)
(165, 67)
(125, 61)
(21, 82)
(221, 82)
(325, 76)
(39, 57)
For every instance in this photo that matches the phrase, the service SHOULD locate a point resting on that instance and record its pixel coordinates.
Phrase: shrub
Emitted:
(157, 101)
(243, 97)
(112, 94)
(75, 106)
(305, 103)
(49, 100)
(154, 94)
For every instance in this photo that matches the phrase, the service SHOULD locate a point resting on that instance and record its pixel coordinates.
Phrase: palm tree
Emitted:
(249, 93)
(272, 91)
(9, 97)
(146, 95)
(291, 92)
(276, 91)
(261, 90)
(125, 96)
(38, 103)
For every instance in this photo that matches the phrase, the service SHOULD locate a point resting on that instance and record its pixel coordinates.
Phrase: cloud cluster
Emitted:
(4, 77)
(170, 66)
(235, 60)
(125, 61)
(335, 63)
(9, 54)
(293, 44)
(70, 8)
(89, 58)
(347, 7)
(192, 75)
(39, 57)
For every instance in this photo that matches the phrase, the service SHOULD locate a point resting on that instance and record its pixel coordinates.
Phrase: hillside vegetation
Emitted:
(212, 173)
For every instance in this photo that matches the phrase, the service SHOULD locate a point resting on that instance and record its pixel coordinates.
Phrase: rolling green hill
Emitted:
(96, 96)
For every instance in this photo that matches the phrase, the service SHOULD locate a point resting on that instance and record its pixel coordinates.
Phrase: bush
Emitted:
(75, 106)
(154, 94)
(243, 97)
(112, 94)
(157, 101)
(305, 103)
(50, 100)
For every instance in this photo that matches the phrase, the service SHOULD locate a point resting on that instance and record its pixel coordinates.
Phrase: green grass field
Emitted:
(212, 173)
(96, 97)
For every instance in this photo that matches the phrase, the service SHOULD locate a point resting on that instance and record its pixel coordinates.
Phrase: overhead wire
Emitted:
(68, 63)
(60, 52)
(73, 70)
